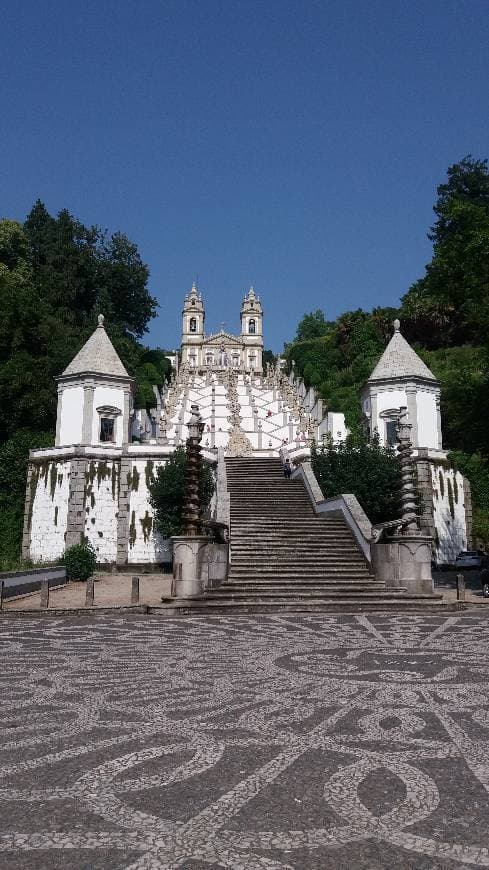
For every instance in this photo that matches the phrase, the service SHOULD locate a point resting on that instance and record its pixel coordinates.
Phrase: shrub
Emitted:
(371, 472)
(79, 561)
(167, 493)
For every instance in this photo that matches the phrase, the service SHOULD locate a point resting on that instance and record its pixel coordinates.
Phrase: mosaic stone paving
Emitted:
(353, 741)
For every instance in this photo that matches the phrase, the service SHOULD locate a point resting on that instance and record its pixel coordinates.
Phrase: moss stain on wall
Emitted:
(116, 476)
(103, 471)
(148, 471)
(147, 526)
(132, 530)
(450, 498)
(135, 479)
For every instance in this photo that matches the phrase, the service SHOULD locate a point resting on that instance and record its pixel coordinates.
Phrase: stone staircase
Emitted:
(285, 557)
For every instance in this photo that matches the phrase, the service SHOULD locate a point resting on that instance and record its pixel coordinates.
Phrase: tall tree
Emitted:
(56, 275)
(450, 304)
(312, 325)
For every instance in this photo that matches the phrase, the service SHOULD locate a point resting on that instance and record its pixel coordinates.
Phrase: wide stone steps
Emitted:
(286, 558)
(280, 549)
(326, 603)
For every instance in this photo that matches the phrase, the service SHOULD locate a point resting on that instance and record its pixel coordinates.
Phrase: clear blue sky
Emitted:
(292, 144)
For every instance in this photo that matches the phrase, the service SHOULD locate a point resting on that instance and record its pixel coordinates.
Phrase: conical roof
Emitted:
(97, 356)
(399, 360)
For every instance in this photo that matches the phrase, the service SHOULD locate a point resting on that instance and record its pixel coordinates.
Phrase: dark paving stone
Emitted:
(311, 742)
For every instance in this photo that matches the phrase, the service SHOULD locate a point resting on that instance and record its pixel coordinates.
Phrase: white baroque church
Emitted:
(93, 483)
(221, 349)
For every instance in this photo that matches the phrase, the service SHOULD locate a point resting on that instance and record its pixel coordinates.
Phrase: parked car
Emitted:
(468, 559)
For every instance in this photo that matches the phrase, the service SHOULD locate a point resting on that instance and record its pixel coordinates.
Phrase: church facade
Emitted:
(222, 350)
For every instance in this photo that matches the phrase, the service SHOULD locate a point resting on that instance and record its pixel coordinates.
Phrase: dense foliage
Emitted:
(445, 315)
(371, 472)
(14, 455)
(80, 561)
(56, 275)
(167, 493)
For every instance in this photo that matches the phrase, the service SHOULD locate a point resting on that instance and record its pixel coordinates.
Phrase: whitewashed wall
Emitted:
(114, 397)
(101, 506)
(49, 510)
(145, 544)
(427, 419)
(385, 401)
(449, 513)
(70, 431)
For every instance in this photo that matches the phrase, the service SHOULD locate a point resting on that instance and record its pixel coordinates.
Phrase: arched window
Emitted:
(252, 326)
(193, 324)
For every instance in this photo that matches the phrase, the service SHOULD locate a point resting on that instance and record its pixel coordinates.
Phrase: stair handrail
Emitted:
(223, 504)
(344, 503)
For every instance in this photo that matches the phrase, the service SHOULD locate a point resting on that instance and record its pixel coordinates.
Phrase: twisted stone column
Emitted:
(408, 490)
(191, 506)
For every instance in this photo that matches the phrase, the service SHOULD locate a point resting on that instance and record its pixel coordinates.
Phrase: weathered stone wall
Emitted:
(144, 543)
(101, 507)
(46, 510)
(448, 512)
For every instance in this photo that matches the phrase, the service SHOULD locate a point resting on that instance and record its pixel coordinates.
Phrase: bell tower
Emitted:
(252, 331)
(193, 317)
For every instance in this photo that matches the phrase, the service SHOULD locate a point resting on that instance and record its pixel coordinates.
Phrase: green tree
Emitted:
(454, 292)
(475, 467)
(366, 469)
(167, 493)
(14, 455)
(312, 325)
(56, 275)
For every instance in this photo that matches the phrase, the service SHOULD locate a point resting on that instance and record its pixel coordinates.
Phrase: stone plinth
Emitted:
(198, 564)
(404, 561)
(188, 558)
(217, 564)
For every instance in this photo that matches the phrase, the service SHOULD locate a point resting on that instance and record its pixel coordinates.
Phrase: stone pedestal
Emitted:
(404, 561)
(198, 564)
(188, 556)
(216, 564)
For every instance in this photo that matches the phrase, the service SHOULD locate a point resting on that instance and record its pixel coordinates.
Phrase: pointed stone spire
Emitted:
(399, 360)
(97, 356)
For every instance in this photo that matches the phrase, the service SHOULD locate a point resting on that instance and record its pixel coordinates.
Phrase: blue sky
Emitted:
(291, 144)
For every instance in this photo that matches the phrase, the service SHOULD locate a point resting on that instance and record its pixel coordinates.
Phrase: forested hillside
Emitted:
(445, 315)
(56, 275)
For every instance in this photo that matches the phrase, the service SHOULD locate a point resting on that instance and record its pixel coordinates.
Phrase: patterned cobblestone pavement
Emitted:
(304, 742)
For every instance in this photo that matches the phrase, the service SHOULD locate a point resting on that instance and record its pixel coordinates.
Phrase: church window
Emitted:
(107, 429)
(252, 326)
(391, 433)
(193, 324)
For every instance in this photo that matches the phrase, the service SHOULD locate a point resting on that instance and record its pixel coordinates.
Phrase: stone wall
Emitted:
(144, 543)
(101, 497)
(101, 508)
(46, 510)
(449, 511)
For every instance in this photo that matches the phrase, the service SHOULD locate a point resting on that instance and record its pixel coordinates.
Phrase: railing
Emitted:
(346, 504)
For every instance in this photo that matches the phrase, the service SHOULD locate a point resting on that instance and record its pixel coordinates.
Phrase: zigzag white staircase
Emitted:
(261, 409)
